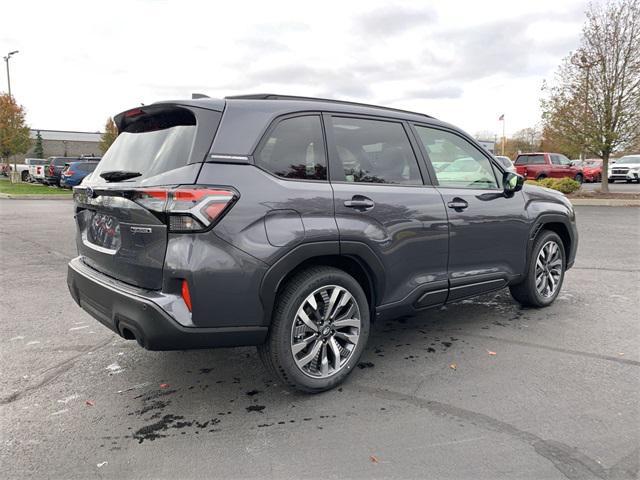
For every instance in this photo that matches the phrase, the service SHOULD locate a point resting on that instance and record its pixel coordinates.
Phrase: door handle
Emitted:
(457, 204)
(360, 202)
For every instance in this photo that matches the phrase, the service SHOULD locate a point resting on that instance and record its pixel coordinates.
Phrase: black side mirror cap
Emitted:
(512, 182)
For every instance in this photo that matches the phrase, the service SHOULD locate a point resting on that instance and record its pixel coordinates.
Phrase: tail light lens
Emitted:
(186, 295)
(68, 173)
(189, 209)
(52, 171)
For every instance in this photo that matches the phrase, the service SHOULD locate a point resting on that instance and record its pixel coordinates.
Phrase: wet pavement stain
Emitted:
(363, 365)
(255, 408)
(251, 393)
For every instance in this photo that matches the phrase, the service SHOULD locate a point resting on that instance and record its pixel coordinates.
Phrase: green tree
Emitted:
(595, 100)
(109, 135)
(14, 133)
(38, 150)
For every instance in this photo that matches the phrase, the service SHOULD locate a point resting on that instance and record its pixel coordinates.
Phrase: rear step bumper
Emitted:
(133, 315)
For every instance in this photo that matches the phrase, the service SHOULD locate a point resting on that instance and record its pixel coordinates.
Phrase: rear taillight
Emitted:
(68, 173)
(186, 295)
(52, 171)
(189, 209)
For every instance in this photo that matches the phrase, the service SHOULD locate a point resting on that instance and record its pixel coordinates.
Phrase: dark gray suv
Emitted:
(293, 223)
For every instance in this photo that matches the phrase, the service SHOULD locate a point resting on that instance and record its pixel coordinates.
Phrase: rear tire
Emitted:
(24, 176)
(545, 272)
(307, 327)
(540, 177)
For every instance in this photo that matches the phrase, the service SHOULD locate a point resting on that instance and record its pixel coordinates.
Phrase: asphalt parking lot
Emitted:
(559, 399)
(616, 187)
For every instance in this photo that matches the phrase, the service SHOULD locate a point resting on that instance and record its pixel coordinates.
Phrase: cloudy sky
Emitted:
(465, 62)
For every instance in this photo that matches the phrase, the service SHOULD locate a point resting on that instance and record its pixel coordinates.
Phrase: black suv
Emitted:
(293, 223)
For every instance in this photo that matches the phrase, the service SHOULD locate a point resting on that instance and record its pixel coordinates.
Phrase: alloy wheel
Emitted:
(325, 331)
(548, 269)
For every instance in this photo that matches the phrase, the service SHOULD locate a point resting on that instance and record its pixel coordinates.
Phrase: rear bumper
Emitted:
(131, 312)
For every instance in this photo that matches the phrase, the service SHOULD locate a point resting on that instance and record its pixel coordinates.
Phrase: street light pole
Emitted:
(6, 60)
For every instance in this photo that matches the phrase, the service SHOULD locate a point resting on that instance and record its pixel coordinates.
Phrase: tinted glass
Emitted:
(555, 159)
(295, 149)
(456, 161)
(374, 151)
(629, 159)
(87, 166)
(530, 160)
(152, 145)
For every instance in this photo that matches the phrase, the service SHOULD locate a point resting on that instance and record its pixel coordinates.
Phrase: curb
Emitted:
(605, 202)
(57, 196)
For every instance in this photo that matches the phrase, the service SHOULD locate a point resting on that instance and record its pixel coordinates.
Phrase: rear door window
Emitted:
(294, 149)
(374, 151)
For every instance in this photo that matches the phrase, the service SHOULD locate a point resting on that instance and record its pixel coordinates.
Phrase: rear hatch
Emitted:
(122, 227)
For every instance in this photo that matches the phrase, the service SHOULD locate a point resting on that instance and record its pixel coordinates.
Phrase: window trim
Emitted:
(335, 165)
(478, 147)
(272, 126)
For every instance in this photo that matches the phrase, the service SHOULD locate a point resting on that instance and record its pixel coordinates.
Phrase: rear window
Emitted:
(86, 166)
(530, 160)
(152, 145)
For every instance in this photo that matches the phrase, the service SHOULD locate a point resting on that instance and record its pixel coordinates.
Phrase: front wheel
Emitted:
(318, 330)
(545, 273)
(579, 178)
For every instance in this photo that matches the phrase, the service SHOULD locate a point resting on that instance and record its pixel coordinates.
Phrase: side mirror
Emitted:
(512, 182)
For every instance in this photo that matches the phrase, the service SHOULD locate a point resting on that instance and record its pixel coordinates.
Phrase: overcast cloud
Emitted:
(463, 62)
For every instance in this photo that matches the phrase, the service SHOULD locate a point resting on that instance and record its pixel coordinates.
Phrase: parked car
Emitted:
(21, 168)
(592, 170)
(36, 168)
(75, 172)
(56, 165)
(292, 223)
(536, 166)
(505, 162)
(626, 168)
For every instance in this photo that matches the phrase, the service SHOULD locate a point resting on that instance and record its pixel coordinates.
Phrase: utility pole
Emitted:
(6, 60)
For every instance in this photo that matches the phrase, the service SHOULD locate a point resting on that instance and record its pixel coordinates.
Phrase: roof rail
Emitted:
(274, 96)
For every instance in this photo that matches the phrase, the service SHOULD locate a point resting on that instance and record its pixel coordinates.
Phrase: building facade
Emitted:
(60, 143)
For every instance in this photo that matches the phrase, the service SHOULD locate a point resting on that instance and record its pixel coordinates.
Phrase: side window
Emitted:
(522, 160)
(555, 159)
(456, 161)
(295, 149)
(537, 160)
(374, 151)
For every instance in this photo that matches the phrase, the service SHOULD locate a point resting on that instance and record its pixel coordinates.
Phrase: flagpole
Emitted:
(503, 136)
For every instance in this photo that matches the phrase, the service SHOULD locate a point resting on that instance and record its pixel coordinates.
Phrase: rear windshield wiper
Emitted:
(119, 175)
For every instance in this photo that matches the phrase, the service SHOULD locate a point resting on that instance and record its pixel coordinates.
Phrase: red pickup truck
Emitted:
(538, 165)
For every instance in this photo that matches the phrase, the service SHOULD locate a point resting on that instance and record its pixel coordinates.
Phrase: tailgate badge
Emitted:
(140, 230)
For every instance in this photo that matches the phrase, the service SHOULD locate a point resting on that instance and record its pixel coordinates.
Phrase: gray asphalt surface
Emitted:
(559, 399)
(618, 187)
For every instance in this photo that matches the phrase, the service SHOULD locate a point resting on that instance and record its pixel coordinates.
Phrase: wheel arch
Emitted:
(356, 259)
(555, 223)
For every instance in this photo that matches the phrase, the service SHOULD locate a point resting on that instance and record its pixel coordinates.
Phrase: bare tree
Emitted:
(595, 101)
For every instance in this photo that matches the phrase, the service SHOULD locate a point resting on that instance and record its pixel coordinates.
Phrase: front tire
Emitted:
(545, 272)
(319, 329)
(579, 178)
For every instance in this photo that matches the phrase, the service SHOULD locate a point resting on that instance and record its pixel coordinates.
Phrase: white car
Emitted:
(626, 168)
(506, 163)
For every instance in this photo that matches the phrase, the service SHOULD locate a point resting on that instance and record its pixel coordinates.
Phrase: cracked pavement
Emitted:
(559, 399)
